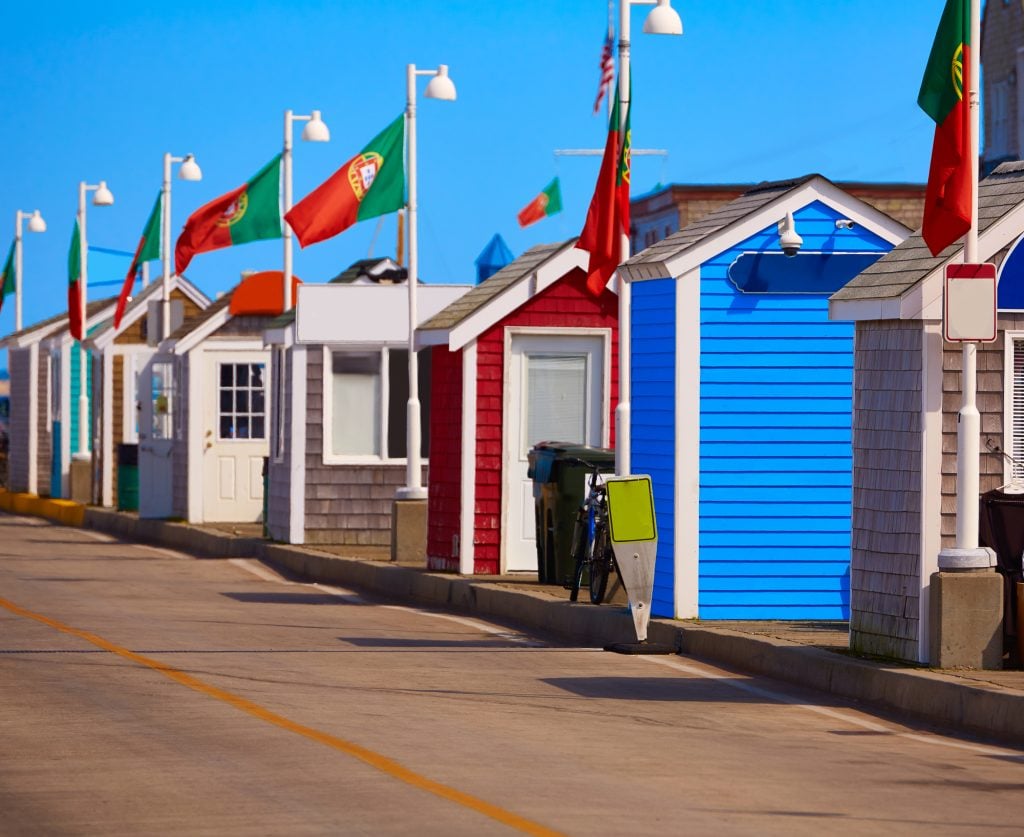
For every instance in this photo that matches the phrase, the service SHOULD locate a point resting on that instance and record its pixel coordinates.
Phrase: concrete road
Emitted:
(146, 692)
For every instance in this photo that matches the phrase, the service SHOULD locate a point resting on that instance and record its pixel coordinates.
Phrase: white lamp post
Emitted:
(103, 197)
(439, 87)
(189, 170)
(662, 20)
(36, 224)
(315, 131)
(967, 554)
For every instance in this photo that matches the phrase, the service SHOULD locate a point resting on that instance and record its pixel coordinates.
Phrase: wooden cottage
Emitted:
(65, 356)
(204, 431)
(907, 382)
(338, 416)
(741, 400)
(118, 356)
(528, 355)
(30, 455)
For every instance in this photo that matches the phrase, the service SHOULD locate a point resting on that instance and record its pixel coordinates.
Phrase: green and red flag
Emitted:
(547, 203)
(76, 306)
(7, 277)
(252, 212)
(947, 203)
(370, 184)
(608, 215)
(148, 249)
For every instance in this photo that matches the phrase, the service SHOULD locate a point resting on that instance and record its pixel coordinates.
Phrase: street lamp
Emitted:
(662, 20)
(103, 197)
(36, 224)
(439, 87)
(189, 170)
(314, 131)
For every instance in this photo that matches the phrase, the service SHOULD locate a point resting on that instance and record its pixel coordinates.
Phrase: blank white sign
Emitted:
(970, 310)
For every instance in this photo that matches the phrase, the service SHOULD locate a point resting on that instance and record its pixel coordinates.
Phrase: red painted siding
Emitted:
(566, 304)
(444, 501)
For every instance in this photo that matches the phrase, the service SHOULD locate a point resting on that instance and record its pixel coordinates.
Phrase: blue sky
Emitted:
(754, 90)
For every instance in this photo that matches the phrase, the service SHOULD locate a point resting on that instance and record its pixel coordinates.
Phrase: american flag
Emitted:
(607, 71)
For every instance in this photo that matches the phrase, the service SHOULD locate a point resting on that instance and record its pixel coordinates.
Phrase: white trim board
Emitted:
(467, 516)
(729, 236)
(297, 439)
(686, 499)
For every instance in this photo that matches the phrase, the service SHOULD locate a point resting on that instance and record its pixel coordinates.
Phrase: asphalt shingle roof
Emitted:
(904, 266)
(747, 204)
(192, 323)
(91, 310)
(477, 297)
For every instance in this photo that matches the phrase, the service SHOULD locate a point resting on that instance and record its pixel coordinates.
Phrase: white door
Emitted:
(556, 392)
(235, 435)
(156, 438)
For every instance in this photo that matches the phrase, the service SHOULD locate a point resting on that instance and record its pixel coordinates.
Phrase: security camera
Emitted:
(789, 240)
(844, 224)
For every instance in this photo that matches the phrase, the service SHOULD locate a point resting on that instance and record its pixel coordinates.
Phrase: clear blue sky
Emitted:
(754, 90)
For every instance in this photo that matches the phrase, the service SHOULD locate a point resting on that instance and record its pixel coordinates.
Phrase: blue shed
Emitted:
(742, 401)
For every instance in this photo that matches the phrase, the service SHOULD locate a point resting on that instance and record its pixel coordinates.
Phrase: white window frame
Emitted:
(1009, 338)
(330, 458)
(250, 414)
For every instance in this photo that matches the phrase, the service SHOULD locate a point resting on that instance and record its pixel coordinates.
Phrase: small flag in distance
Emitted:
(547, 203)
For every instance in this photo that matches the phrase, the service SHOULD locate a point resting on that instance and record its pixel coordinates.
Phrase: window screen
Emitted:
(1017, 411)
(556, 398)
(356, 403)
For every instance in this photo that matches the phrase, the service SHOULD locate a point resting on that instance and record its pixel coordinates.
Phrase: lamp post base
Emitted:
(409, 531)
(954, 560)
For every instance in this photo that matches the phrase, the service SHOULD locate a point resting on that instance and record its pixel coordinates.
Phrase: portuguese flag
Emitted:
(7, 277)
(76, 306)
(547, 203)
(149, 248)
(608, 215)
(252, 212)
(947, 202)
(370, 184)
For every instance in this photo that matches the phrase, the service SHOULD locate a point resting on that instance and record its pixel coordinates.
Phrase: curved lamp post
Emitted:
(189, 170)
(662, 20)
(315, 131)
(440, 87)
(36, 224)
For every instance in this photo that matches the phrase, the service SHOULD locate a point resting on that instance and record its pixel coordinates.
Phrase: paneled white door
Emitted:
(235, 435)
(555, 393)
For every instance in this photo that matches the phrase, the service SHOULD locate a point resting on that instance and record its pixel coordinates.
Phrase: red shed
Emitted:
(526, 356)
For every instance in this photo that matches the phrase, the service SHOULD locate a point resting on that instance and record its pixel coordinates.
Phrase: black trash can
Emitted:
(1002, 529)
(559, 486)
(127, 477)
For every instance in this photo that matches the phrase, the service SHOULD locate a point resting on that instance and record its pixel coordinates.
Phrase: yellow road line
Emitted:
(382, 763)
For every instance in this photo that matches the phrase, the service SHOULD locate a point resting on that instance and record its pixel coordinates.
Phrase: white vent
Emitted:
(1017, 410)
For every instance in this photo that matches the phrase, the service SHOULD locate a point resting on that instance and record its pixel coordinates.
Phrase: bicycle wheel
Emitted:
(600, 565)
(578, 557)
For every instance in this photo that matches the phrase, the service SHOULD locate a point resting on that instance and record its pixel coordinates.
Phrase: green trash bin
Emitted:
(127, 477)
(558, 489)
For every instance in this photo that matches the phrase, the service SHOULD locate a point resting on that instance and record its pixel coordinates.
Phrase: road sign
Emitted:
(634, 537)
(969, 303)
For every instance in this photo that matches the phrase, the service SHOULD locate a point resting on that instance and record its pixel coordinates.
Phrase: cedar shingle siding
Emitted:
(279, 486)
(345, 504)
(20, 363)
(887, 442)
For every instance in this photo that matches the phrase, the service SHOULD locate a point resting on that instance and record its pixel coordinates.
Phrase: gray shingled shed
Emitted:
(906, 400)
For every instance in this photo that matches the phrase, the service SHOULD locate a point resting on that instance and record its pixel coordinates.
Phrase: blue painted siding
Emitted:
(776, 430)
(653, 418)
(73, 406)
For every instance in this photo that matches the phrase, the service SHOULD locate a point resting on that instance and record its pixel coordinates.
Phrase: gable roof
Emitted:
(192, 324)
(381, 269)
(737, 220)
(52, 325)
(106, 332)
(899, 273)
(496, 297)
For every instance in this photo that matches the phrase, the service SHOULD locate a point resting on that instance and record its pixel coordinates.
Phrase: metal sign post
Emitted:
(633, 532)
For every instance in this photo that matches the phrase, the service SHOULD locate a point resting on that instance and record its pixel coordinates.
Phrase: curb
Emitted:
(983, 709)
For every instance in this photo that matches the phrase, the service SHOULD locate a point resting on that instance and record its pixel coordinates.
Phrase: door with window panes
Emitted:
(235, 435)
(555, 393)
(159, 412)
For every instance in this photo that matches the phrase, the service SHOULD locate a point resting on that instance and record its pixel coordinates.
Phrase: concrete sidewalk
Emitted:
(985, 703)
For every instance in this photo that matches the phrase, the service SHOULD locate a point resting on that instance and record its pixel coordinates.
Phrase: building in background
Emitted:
(660, 213)
(1002, 65)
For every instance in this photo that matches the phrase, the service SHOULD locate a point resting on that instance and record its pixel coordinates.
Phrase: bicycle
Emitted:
(591, 545)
